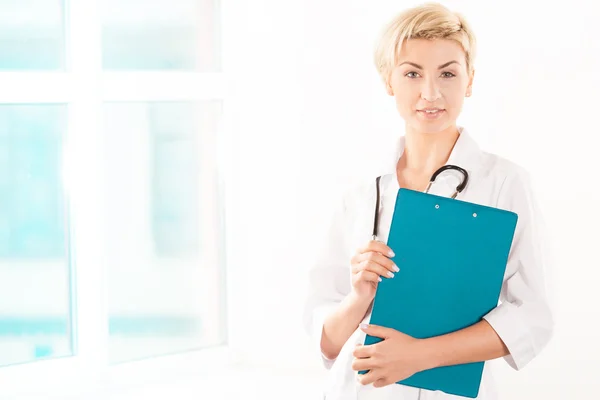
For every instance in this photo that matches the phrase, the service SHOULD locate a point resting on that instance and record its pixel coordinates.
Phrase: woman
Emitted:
(425, 59)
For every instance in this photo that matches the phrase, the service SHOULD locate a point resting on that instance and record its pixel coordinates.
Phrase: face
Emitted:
(429, 84)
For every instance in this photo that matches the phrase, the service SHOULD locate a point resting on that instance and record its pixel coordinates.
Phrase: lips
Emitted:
(431, 113)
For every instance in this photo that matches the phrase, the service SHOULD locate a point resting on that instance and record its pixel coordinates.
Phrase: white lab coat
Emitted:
(523, 319)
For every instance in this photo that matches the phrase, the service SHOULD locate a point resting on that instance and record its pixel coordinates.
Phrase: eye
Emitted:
(448, 75)
(411, 74)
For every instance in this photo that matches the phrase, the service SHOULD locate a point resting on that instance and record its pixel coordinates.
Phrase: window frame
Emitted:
(84, 87)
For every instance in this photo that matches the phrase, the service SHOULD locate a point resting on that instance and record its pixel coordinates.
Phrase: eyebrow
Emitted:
(440, 67)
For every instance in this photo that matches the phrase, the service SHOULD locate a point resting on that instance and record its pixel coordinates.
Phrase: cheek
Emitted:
(407, 97)
(455, 98)
(405, 106)
(453, 90)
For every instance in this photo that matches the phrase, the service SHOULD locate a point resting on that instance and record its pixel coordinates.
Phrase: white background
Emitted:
(312, 115)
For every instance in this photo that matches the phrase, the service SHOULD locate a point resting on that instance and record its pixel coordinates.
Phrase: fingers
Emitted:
(379, 331)
(363, 364)
(378, 247)
(381, 383)
(369, 377)
(372, 267)
(375, 262)
(371, 263)
(367, 276)
(379, 259)
(362, 351)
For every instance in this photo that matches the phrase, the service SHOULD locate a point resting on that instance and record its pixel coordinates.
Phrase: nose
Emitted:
(430, 90)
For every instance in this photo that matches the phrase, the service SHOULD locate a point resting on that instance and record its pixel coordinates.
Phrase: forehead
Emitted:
(435, 52)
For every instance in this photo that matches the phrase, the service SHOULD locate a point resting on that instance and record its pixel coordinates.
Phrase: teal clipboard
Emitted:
(452, 257)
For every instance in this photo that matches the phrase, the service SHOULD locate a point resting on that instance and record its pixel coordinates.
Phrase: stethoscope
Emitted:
(459, 189)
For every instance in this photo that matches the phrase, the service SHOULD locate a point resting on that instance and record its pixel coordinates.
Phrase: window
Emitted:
(34, 263)
(160, 35)
(163, 269)
(111, 222)
(32, 35)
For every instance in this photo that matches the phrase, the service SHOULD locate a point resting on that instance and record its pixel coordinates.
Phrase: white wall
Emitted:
(310, 115)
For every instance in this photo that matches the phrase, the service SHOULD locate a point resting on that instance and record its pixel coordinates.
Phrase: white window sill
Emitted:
(206, 374)
(220, 384)
(225, 383)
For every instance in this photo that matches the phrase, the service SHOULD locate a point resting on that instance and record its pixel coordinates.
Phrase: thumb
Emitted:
(376, 330)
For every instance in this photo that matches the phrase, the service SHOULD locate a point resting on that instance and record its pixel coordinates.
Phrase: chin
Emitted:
(416, 123)
(430, 128)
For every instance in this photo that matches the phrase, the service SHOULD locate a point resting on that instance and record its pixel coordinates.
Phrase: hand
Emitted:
(397, 357)
(369, 264)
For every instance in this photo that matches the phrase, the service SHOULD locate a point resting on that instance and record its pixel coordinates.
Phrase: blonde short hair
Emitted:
(428, 21)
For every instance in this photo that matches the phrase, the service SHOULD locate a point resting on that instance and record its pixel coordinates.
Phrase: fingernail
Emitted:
(390, 274)
(364, 326)
(396, 269)
(391, 253)
(379, 279)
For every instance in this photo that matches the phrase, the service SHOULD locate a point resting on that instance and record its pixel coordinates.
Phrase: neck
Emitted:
(424, 152)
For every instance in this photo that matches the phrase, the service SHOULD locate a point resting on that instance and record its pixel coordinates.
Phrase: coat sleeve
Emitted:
(329, 278)
(524, 319)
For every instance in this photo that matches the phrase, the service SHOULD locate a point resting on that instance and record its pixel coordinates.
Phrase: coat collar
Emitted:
(466, 154)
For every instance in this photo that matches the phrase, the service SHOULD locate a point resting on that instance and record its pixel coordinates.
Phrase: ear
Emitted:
(389, 89)
(387, 81)
(470, 85)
